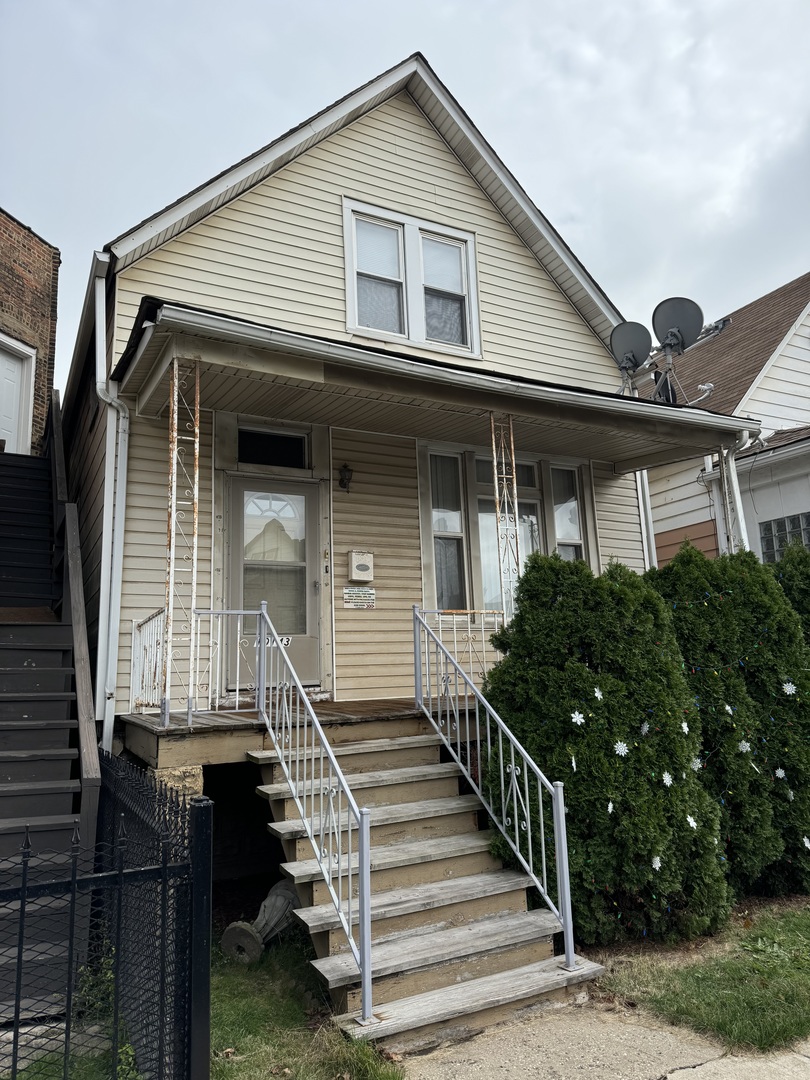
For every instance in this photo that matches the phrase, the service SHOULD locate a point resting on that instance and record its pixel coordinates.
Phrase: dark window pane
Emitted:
(379, 304)
(445, 318)
(794, 523)
(272, 448)
(570, 552)
(766, 528)
(450, 595)
(526, 475)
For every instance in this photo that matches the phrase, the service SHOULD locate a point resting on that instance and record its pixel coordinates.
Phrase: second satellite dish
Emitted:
(677, 323)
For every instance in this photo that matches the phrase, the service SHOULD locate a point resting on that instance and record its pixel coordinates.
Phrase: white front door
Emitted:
(274, 545)
(11, 378)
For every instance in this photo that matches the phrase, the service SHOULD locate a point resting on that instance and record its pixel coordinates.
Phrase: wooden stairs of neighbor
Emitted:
(455, 947)
(48, 779)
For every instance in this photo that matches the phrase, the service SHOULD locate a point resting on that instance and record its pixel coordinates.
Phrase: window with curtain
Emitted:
(406, 278)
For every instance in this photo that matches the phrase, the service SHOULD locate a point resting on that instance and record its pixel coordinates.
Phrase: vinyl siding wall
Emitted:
(276, 254)
(143, 587)
(380, 513)
(781, 399)
(85, 450)
(618, 518)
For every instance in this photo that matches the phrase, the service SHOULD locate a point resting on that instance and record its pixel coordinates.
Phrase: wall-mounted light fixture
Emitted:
(345, 474)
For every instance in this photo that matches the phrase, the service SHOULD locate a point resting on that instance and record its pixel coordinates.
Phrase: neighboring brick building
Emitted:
(29, 274)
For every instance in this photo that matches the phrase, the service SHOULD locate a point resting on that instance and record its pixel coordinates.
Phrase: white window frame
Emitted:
(412, 230)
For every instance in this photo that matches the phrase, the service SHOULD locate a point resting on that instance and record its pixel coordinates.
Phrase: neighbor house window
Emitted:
(777, 534)
(448, 531)
(410, 279)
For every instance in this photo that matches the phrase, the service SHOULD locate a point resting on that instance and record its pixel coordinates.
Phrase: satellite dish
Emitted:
(677, 323)
(630, 343)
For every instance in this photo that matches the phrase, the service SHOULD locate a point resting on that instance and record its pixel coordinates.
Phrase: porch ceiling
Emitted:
(332, 386)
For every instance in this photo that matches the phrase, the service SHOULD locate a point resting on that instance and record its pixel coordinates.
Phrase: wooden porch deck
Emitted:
(217, 738)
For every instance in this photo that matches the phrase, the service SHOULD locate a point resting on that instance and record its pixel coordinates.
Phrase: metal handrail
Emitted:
(466, 635)
(338, 830)
(497, 767)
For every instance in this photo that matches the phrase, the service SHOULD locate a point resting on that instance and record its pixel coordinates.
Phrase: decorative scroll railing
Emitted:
(527, 808)
(466, 636)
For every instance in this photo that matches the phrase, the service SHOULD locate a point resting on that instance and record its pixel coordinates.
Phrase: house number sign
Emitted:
(359, 596)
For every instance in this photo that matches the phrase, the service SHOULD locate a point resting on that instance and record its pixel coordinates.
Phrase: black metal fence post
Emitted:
(201, 829)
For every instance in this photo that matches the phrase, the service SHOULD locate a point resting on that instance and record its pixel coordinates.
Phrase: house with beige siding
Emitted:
(321, 410)
(760, 367)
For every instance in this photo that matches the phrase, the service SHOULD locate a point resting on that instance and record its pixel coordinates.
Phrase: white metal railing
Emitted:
(466, 636)
(242, 661)
(515, 792)
(146, 682)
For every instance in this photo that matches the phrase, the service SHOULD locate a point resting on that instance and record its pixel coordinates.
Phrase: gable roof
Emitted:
(415, 76)
(734, 359)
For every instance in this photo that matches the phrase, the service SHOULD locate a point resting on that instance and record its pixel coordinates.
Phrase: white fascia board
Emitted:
(769, 363)
(513, 187)
(211, 191)
(183, 319)
(778, 455)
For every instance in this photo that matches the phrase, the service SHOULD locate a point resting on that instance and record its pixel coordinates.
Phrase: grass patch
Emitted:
(749, 987)
(271, 1019)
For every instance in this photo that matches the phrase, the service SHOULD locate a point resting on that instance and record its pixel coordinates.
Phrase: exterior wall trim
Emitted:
(28, 356)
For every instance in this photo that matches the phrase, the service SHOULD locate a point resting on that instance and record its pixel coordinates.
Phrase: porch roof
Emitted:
(259, 370)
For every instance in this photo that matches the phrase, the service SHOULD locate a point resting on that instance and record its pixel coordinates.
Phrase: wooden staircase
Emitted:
(455, 947)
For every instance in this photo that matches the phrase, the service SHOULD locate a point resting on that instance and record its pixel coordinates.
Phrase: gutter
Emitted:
(114, 512)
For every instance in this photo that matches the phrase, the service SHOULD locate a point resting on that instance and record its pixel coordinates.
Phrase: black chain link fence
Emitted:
(105, 954)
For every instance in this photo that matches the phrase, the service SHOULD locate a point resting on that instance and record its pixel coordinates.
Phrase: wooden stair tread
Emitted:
(35, 725)
(11, 825)
(38, 755)
(367, 746)
(475, 995)
(378, 778)
(385, 815)
(412, 951)
(37, 695)
(39, 787)
(423, 897)
(387, 856)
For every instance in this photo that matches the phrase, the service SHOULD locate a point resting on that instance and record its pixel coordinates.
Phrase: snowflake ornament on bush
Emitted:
(691, 821)
(806, 841)
(667, 778)
(574, 764)
(789, 688)
(577, 718)
(598, 694)
(610, 807)
(645, 727)
(744, 746)
(656, 863)
(622, 749)
(695, 764)
(780, 774)
(729, 710)
(685, 728)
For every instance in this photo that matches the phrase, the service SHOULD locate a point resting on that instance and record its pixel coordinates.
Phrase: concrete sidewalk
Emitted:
(601, 1043)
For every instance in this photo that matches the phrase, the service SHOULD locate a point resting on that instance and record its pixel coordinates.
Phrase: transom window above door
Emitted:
(410, 280)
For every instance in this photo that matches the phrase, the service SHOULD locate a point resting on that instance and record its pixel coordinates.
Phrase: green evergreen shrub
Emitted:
(591, 684)
(793, 574)
(744, 649)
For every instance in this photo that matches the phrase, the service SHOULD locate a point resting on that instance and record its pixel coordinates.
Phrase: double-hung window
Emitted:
(410, 280)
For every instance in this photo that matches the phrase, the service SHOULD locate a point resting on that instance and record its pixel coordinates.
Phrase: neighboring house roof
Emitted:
(779, 439)
(735, 358)
(415, 76)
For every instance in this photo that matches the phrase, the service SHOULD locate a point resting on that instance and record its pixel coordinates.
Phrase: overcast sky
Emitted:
(667, 140)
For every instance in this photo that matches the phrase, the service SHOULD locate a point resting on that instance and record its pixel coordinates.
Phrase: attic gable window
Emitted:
(410, 280)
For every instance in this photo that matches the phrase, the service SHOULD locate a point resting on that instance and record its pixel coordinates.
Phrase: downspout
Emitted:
(647, 524)
(733, 497)
(112, 539)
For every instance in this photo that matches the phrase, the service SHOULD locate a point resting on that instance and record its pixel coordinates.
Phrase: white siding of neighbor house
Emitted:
(678, 496)
(781, 397)
(276, 254)
(772, 490)
(380, 513)
(143, 586)
(618, 517)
